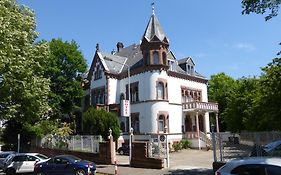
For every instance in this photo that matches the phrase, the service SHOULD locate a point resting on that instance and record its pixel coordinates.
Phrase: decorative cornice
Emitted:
(187, 77)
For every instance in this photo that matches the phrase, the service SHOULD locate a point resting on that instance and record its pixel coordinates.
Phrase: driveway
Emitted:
(191, 162)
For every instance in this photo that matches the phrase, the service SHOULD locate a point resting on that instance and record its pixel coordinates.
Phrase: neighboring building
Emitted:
(167, 95)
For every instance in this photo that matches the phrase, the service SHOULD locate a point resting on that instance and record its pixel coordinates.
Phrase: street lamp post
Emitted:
(130, 129)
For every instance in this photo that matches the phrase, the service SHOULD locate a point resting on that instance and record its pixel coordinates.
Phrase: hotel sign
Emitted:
(125, 108)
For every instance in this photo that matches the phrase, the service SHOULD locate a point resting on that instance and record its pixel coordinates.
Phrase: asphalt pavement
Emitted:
(189, 162)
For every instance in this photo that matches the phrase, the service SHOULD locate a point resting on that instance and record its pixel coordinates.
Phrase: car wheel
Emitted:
(121, 152)
(80, 172)
(10, 171)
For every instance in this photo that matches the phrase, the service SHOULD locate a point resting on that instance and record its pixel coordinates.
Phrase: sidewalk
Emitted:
(184, 162)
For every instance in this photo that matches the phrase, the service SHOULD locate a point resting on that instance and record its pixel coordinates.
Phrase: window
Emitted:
(136, 122)
(273, 170)
(164, 58)
(98, 73)
(134, 92)
(98, 96)
(155, 57)
(31, 158)
(161, 123)
(160, 90)
(19, 158)
(249, 169)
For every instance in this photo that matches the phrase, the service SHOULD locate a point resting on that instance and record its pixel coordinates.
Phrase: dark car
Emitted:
(124, 150)
(270, 149)
(66, 165)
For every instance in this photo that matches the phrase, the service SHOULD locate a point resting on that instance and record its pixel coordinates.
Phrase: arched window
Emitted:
(164, 58)
(155, 57)
(161, 123)
(160, 90)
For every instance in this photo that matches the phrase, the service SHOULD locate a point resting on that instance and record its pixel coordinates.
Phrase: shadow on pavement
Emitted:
(191, 172)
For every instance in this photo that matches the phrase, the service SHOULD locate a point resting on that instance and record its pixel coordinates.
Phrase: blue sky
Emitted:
(214, 33)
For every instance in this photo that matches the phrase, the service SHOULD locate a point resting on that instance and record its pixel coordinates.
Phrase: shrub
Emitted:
(185, 144)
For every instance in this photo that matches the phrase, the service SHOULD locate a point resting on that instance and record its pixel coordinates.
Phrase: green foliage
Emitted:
(261, 7)
(251, 104)
(64, 66)
(220, 87)
(240, 113)
(183, 144)
(25, 91)
(98, 122)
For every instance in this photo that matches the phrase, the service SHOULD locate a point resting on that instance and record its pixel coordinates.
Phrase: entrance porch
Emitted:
(196, 123)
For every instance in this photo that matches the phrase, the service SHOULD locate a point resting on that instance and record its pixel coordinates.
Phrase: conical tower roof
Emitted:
(153, 31)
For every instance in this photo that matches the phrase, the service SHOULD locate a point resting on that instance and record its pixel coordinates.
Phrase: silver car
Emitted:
(22, 162)
(3, 156)
(252, 166)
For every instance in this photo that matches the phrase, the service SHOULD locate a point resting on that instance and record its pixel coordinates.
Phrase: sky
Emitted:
(214, 33)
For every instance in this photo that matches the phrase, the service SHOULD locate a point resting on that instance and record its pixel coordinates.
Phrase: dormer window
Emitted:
(164, 58)
(155, 57)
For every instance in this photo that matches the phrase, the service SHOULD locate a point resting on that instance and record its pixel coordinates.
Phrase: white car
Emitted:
(252, 166)
(22, 162)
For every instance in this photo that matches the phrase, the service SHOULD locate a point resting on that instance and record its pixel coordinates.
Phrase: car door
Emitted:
(30, 162)
(18, 163)
(62, 166)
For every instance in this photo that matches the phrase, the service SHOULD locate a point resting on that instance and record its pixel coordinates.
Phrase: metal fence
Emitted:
(87, 143)
(244, 144)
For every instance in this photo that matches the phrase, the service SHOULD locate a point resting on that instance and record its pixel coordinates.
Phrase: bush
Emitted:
(183, 144)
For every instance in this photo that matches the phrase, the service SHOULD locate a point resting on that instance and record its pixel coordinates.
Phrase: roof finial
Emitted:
(98, 47)
(152, 5)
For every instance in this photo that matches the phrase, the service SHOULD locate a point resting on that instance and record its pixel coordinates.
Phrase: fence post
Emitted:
(81, 139)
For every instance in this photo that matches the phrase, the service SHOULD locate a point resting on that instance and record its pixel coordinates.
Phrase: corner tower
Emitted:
(154, 44)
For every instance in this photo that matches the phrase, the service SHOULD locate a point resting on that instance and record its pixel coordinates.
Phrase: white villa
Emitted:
(166, 94)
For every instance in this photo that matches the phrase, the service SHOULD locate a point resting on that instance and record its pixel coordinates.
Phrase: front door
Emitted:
(188, 124)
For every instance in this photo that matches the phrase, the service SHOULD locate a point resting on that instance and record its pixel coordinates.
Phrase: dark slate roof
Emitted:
(112, 66)
(186, 60)
(132, 56)
(153, 29)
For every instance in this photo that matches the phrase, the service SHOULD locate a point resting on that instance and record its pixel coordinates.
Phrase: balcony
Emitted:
(200, 106)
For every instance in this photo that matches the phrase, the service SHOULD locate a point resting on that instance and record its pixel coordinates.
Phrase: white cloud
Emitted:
(245, 46)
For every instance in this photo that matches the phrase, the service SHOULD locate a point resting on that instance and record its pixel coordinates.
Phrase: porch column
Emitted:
(217, 122)
(198, 132)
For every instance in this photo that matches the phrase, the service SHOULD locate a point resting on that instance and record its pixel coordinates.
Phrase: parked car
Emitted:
(66, 165)
(252, 166)
(124, 149)
(3, 156)
(22, 162)
(272, 149)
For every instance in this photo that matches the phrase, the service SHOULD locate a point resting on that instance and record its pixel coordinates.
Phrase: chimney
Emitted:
(120, 46)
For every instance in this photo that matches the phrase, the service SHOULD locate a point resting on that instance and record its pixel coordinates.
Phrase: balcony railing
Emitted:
(200, 106)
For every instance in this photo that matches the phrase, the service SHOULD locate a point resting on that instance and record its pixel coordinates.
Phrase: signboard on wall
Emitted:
(125, 108)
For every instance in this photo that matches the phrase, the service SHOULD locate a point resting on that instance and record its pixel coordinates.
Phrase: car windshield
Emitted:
(41, 156)
(273, 144)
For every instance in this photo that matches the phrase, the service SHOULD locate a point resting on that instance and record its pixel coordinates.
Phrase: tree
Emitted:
(270, 96)
(98, 122)
(240, 112)
(261, 6)
(25, 91)
(24, 96)
(64, 67)
(219, 88)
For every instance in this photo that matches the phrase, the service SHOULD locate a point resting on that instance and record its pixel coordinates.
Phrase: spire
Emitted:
(154, 29)
(152, 5)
